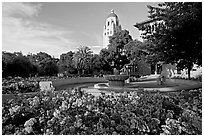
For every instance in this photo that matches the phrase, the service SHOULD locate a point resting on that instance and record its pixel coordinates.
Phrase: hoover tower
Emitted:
(111, 27)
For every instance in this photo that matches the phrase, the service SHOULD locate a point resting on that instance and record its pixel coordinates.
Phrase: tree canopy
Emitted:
(18, 66)
(175, 31)
(134, 50)
(116, 49)
(65, 63)
(82, 58)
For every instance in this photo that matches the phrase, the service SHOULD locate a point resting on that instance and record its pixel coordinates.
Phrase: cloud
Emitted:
(96, 41)
(20, 32)
(23, 9)
(96, 46)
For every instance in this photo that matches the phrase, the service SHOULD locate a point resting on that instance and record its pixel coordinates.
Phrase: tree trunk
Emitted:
(189, 72)
(79, 72)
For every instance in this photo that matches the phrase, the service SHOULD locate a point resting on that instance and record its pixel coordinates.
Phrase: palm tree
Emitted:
(81, 58)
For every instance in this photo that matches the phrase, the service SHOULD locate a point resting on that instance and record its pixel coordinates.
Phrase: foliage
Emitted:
(47, 65)
(189, 122)
(19, 85)
(51, 68)
(95, 65)
(7, 58)
(136, 51)
(23, 67)
(66, 63)
(116, 49)
(78, 113)
(105, 60)
(82, 58)
(40, 64)
(175, 30)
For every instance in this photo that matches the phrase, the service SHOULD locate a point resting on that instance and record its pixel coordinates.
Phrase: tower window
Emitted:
(110, 32)
(107, 33)
(108, 23)
(104, 33)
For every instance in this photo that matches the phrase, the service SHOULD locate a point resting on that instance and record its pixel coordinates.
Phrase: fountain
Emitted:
(118, 63)
(116, 80)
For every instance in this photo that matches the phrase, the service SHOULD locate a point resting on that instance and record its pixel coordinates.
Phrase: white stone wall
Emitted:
(110, 29)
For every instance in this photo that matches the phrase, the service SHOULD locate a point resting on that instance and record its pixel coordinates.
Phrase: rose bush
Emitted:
(75, 112)
(19, 85)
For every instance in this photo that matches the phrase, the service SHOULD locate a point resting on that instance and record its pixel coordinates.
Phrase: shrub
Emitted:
(75, 112)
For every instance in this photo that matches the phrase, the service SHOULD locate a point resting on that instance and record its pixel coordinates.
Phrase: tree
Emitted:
(105, 61)
(66, 62)
(95, 64)
(43, 63)
(176, 33)
(116, 49)
(50, 68)
(81, 58)
(7, 59)
(41, 56)
(20, 66)
(134, 51)
(15, 64)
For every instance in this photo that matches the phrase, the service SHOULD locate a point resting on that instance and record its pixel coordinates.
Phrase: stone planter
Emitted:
(116, 80)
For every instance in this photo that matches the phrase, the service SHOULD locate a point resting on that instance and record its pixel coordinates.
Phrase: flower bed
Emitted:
(15, 86)
(77, 113)
(26, 85)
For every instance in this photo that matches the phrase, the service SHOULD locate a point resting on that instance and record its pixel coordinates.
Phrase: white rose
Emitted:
(29, 129)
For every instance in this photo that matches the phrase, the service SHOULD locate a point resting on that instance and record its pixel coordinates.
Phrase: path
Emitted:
(149, 83)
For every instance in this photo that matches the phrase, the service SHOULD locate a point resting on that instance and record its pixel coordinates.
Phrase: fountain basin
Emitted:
(116, 80)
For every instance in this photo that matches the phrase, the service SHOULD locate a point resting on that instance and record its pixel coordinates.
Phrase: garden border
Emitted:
(61, 82)
(86, 80)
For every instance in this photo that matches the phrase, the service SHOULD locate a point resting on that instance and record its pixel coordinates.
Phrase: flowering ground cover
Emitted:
(24, 85)
(27, 85)
(78, 113)
(20, 85)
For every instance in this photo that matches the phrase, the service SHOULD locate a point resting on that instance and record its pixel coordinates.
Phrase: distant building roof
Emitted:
(146, 22)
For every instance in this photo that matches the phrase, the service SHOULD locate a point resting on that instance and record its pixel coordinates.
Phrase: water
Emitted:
(62, 87)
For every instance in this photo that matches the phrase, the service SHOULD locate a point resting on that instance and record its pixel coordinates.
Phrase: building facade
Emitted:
(111, 27)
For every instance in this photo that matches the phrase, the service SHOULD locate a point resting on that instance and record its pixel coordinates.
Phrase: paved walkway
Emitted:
(149, 83)
(176, 85)
(170, 85)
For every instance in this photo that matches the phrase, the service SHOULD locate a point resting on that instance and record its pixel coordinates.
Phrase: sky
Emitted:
(59, 27)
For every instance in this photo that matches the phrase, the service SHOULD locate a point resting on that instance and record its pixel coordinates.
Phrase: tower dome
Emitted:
(112, 14)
